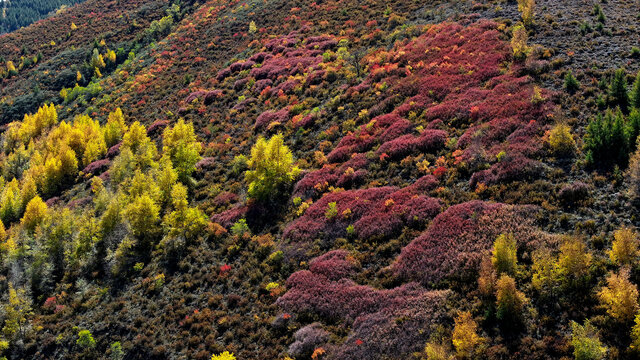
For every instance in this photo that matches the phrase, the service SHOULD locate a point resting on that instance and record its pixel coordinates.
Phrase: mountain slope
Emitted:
(441, 187)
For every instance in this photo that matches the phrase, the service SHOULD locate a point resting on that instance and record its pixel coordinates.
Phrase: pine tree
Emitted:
(571, 84)
(618, 90)
(632, 129)
(635, 92)
(607, 140)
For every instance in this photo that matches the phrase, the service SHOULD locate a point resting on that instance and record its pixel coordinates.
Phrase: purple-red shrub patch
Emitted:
(456, 240)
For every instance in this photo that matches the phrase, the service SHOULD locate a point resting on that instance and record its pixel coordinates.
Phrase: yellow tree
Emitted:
(17, 312)
(142, 214)
(519, 42)
(183, 148)
(509, 301)
(465, 336)
(504, 254)
(183, 224)
(10, 202)
(561, 140)
(526, 8)
(36, 211)
(620, 297)
(97, 61)
(635, 335)
(115, 128)
(166, 177)
(624, 250)
(137, 141)
(573, 262)
(270, 168)
(545, 274)
(487, 278)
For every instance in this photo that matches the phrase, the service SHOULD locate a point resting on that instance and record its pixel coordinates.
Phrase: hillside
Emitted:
(19, 13)
(335, 179)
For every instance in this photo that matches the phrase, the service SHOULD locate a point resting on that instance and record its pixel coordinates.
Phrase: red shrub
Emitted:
(157, 126)
(452, 247)
(229, 217)
(97, 167)
(390, 323)
(332, 175)
(398, 330)
(509, 169)
(307, 339)
(429, 140)
(207, 163)
(225, 198)
(376, 212)
(269, 116)
(335, 265)
(194, 95)
(114, 150)
(397, 129)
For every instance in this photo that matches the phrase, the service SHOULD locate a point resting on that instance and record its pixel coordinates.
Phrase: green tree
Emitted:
(635, 92)
(586, 342)
(618, 90)
(271, 169)
(571, 84)
(85, 339)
